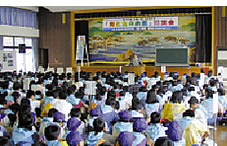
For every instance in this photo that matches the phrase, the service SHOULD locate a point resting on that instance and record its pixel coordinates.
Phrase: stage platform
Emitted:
(149, 69)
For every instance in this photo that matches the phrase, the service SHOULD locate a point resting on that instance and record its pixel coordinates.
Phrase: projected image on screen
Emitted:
(172, 56)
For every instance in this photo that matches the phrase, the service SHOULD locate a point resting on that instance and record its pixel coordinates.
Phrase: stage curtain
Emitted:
(203, 38)
(35, 53)
(18, 17)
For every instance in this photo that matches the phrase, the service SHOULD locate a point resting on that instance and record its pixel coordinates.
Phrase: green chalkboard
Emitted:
(172, 56)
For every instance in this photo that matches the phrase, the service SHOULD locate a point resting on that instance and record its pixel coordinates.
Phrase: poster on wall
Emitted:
(7, 59)
(119, 46)
(143, 23)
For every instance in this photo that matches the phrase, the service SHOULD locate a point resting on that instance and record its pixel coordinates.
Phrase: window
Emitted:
(18, 41)
(8, 41)
(24, 62)
(28, 42)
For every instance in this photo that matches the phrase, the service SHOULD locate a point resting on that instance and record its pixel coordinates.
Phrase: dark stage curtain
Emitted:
(81, 28)
(203, 27)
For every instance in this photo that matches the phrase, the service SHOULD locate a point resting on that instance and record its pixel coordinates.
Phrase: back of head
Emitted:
(30, 93)
(163, 141)
(110, 101)
(155, 117)
(221, 91)
(193, 100)
(16, 86)
(209, 93)
(52, 132)
(4, 141)
(62, 95)
(75, 112)
(52, 111)
(136, 105)
(25, 121)
(151, 97)
(189, 113)
(177, 96)
(99, 125)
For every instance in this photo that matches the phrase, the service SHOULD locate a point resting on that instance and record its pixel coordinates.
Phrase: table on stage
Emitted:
(136, 69)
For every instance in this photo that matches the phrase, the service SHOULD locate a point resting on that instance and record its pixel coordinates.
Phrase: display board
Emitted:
(172, 57)
(110, 43)
(8, 60)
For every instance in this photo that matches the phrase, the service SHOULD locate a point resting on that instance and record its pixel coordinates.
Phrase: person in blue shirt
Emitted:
(208, 105)
(137, 109)
(124, 123)
(142, 95)
(24, 135)
(47, 120)
(76, 113)
(48, 98)
(152, 104)
(71, 97)
(222, 100)
(97, 134)
(155, 129)
(74, 138)
(108, 113)
(139, 127)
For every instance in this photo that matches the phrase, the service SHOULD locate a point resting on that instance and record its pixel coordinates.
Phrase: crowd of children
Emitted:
(60, 110)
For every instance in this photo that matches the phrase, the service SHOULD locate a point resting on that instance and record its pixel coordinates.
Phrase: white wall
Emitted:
(6, 30)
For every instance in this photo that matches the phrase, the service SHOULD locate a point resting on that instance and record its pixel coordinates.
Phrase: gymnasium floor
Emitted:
(221, 135)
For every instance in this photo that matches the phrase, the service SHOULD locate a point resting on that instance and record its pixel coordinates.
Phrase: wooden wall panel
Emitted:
(220, 31)
(55, 36)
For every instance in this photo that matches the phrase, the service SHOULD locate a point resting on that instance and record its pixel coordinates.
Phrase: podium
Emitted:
(136, 69)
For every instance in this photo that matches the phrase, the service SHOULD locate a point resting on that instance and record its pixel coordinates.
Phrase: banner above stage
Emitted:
(138, 24)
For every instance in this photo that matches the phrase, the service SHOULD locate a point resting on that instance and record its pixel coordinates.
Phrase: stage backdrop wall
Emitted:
(117, 46)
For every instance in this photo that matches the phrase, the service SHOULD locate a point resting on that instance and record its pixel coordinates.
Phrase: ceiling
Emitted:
(68, 8)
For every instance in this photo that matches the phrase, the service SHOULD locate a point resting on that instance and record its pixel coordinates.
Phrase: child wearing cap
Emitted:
(76, 113)
(94, 114)
(125, 138)
(59, 119)
(72, 125)
(174, 133)
(139, 127)
(74, 138)
(123, 124)
(155, 129)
